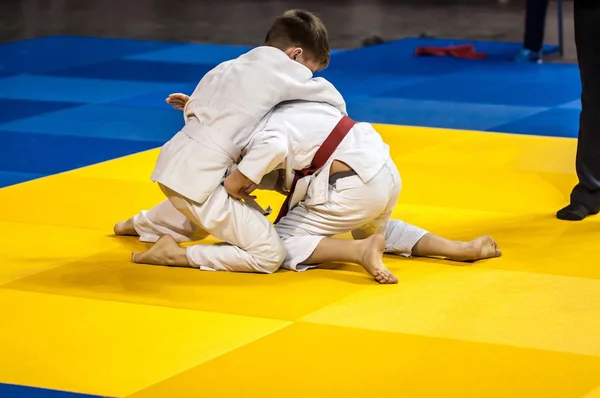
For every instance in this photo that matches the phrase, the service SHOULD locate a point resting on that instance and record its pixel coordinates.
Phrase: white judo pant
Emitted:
(252, 242)
(353, 206)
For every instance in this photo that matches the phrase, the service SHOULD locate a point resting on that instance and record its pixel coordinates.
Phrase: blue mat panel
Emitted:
(572, 105)
(557, 122)
(57, 52)
(489, 90)
(104, 121)
(155, 99)
(529, 73)
(14, 391)
(16, 177)
(397, 56)
(129, 70)
(384, 59)
(13, 109)
(453, 115)
(43, 154)
(366, 84)
(203, 54)
(72, 89)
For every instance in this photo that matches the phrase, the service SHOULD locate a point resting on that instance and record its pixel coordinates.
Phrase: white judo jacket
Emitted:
(224, 111)
(303, 126)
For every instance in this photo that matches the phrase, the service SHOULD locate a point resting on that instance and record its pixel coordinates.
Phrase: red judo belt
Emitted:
(321, 157)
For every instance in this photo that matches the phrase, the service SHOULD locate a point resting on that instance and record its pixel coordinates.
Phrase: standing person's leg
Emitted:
(535, 26)
(585, 198)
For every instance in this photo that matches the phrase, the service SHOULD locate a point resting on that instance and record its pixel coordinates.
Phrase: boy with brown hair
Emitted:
(221, 116)
(297, 28)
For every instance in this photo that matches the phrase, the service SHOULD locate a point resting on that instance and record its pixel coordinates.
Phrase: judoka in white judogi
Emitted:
(221, 118)
(361, 202)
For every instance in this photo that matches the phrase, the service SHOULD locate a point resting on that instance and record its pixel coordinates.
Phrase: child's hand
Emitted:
(239, 186)
(178, 100)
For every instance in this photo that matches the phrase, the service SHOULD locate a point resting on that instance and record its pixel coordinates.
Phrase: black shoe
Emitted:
(575, 212)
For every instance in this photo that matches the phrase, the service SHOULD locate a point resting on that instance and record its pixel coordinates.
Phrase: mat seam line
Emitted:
(236, 347)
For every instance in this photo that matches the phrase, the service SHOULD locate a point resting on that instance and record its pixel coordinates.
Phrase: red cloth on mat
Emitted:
(466, 51)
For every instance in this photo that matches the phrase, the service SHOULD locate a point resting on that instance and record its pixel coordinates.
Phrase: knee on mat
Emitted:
(271, 260)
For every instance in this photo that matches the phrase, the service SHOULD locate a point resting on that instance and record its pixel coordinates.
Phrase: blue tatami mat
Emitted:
(58, 52)
(14, 391)
(397, 57)
(66, 102)
(388, 84)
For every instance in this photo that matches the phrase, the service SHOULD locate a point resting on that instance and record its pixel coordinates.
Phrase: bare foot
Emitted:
(166, 251)
(125, 228)
(479, 249)
(372, 259)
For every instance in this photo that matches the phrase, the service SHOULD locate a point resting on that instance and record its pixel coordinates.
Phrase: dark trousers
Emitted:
(535, 23)
(587, 40)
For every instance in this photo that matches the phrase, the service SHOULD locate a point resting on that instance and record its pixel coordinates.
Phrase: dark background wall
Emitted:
(245, 21)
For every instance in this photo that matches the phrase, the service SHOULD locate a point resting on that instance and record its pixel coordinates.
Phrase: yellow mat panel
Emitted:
(78, 316)
(129, 168)
(316, 361)
(472, 148)
(530, 242)
(29, 248)
(500, 307)
(109, 348)
(593, 394)
(282, 295)
(80, 202)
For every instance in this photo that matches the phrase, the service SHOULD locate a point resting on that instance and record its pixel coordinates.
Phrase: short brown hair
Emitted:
(303, 29)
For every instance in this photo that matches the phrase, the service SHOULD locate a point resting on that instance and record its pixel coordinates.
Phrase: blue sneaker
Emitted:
(526, 55)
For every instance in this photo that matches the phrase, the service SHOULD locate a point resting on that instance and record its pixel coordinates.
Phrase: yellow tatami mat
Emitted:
(78, 316)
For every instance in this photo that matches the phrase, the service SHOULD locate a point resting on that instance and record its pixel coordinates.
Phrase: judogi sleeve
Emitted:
(267, 150)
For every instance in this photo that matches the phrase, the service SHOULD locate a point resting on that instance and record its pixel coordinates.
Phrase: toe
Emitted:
(380, 277)
(389, 278)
